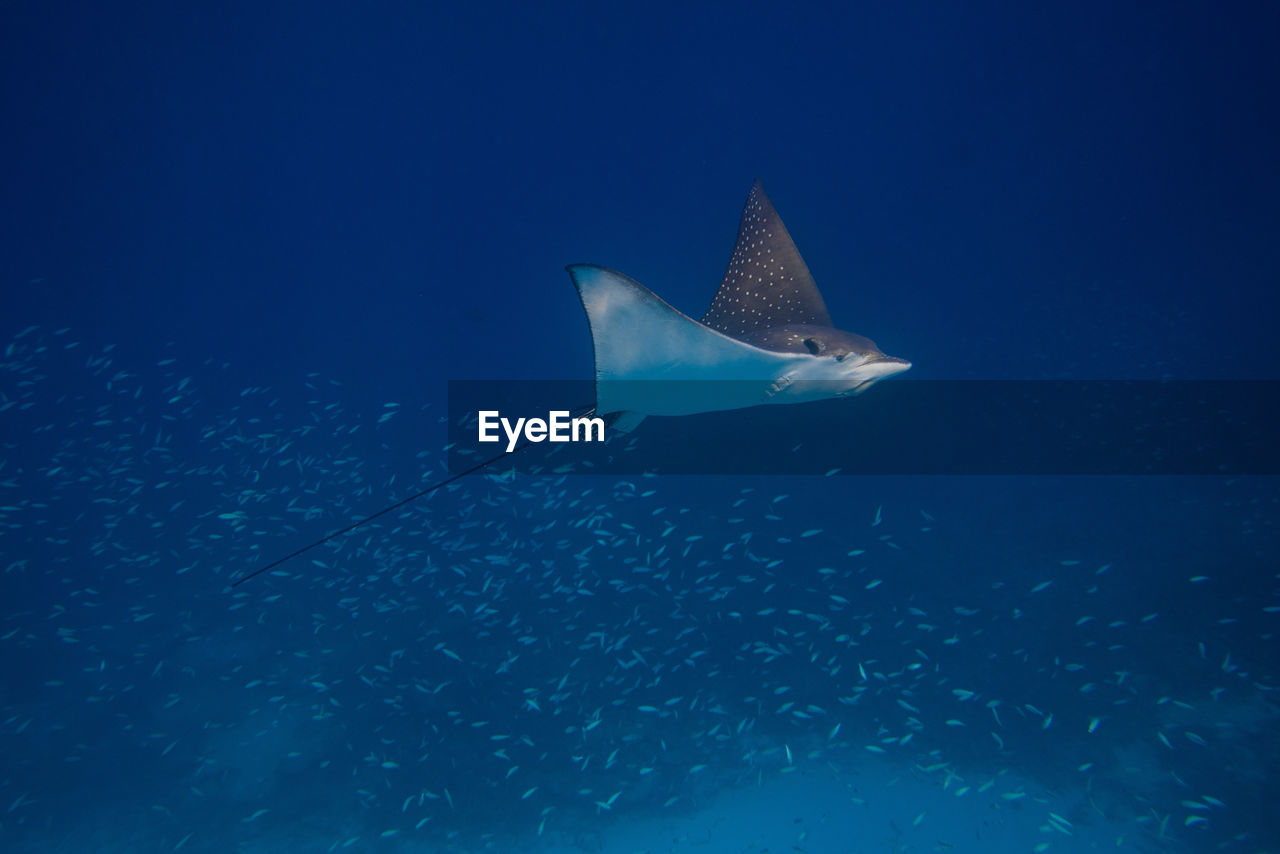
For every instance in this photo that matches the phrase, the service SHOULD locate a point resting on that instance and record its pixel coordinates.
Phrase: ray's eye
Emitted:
(814, 347)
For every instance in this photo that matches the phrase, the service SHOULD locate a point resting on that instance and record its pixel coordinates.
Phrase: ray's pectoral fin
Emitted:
(767, 283)
(646, 350)
(639, 336)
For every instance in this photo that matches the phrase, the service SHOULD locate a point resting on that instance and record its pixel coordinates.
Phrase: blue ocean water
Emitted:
(247, 246)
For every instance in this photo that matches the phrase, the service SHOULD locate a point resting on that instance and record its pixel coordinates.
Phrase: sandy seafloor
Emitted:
(878, 808)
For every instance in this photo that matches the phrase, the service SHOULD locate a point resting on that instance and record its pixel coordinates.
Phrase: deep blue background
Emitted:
(387, 193)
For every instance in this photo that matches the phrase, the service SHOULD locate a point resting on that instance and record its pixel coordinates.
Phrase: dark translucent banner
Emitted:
(898, 427)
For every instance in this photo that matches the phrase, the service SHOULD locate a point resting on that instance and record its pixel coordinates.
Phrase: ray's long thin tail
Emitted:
(587, 411)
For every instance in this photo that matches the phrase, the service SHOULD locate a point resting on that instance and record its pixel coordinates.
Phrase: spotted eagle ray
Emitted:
(767, 337)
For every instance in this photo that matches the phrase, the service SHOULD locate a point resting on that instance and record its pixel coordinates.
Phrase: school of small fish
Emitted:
(526, 658)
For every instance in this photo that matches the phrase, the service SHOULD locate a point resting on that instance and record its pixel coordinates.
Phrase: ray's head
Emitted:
(851, 360)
